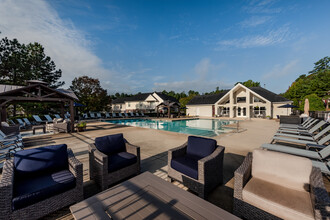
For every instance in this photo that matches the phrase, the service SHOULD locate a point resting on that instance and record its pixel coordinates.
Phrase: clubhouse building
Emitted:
(240, 101)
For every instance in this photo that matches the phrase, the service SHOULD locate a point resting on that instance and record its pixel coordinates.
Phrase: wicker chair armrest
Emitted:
(75, 166)
(208, 165)
(177, 152)
(242, 175)
(6, 187)
(99, 157)
(319, 195)
(130, 148)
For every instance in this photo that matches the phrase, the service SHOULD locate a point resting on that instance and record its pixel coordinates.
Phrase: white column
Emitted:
(248, 103)
(231, 104)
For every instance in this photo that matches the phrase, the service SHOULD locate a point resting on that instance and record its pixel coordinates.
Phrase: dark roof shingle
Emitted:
(270, 96)
(207, 99)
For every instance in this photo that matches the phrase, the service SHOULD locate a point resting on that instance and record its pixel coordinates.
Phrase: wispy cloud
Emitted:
(200, 80)
(279, 71)
(255, 21)
(69, 47)
(36, 21)
(263, 6)
(271, 38)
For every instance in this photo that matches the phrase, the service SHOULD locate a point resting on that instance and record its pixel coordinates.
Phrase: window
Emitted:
(129, 105)
(239, 111)
(121, 106)
(241, 99)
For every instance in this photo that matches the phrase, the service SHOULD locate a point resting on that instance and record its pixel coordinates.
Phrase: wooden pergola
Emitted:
(168, 104)
(36, 91)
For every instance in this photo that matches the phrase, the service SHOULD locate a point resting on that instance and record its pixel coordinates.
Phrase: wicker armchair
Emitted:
(281, 199)
(115, 163)
(11, 207)
(200, 173)
(64, 126)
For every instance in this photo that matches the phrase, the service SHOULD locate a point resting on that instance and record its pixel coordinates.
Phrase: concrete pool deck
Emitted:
(154, 145)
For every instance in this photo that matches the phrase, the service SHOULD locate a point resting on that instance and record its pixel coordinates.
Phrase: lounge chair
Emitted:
(57, 116)
(304, 132)
(305, 136)
(131, 114)
(114, 115)
(98, 115)
(321, 141)
(137, 114)
(143, 115)
(85, 116)
(49, 119)
(46, 179)
(27, 122)
(305, 126)
(21, 123)
(198, 164)
(92, 115)
(126, 115)
(120, 115)
(38, 119)
(11, 122)
(323, 166)
(10, 130)
(316, 155)
(272, 185)
(112, 159)
(107, 115)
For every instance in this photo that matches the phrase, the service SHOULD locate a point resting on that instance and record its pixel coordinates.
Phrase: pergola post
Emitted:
(3, 114)
(157, 112)
(62, 110)
(72, 115)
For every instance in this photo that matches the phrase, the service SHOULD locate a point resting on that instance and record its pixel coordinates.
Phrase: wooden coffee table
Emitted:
(147, 196)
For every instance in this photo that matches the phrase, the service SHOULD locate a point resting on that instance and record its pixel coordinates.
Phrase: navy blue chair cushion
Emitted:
(31, 190)
(38, 161)
(120, 160)
(110, 144)
(186, 165)
(199, 147)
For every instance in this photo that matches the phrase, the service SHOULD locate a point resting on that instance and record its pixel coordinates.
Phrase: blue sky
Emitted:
(143, 46)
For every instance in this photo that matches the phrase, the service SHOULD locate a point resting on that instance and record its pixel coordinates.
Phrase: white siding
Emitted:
(199, 110)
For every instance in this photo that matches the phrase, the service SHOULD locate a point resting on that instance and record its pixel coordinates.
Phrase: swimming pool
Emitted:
(201, 127)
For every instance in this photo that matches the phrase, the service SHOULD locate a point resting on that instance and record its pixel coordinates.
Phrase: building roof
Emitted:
(207, 99)
(166, 97)
(142, 97)
(7, 88)
(212, 99)
(270, 96)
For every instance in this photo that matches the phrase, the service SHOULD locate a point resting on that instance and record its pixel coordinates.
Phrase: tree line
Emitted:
(20, 62)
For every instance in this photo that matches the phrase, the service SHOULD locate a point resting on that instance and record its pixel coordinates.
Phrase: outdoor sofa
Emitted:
(198, 164)
(112, 159)
(272, 185)
(39, 181)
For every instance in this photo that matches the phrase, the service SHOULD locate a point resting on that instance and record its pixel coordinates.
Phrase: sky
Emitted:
(152, 45)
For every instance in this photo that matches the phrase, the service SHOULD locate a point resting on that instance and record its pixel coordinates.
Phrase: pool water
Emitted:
(201, 127)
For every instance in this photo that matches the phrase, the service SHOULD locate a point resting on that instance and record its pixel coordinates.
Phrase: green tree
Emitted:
(316, 82)
(19, 62)
(315, 103)
(249, 83)
(90, 93)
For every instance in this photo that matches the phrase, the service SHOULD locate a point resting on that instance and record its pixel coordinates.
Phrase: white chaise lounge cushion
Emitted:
(289, 171)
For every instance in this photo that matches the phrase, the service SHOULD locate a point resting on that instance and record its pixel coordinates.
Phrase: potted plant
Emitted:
(81, 126)
(268, 117)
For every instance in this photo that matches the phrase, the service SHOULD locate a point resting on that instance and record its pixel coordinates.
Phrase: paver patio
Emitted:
(154, 145)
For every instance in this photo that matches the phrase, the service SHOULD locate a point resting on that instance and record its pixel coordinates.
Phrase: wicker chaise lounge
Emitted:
(112, 159)
(271, 185)
(198, 164)
(39, 181)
